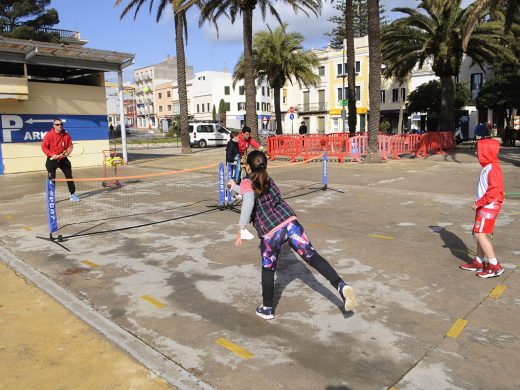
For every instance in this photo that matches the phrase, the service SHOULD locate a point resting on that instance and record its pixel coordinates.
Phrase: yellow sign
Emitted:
(362, 110)
(337, 111)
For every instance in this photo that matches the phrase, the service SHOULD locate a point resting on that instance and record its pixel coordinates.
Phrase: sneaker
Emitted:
(491, 271)
(475, 266)
(265, 312)
(347, 294)
(238, 197)
(74, 198)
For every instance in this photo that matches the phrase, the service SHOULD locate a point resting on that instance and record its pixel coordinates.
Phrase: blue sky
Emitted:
(151, 42)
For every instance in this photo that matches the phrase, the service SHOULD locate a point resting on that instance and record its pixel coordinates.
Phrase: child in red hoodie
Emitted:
(488, 202)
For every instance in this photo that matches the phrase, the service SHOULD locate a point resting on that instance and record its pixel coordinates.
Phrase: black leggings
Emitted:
(66, 168)
(317, 262)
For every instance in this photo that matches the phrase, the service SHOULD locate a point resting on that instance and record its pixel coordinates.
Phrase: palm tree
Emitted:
(351, 66)
(511, 7)
(179, 8)
(437, 35)
(212, 10)
(278, 57)
(374, 79)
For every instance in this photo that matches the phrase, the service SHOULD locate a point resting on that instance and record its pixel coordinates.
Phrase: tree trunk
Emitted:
(277, 110)
(447, 118)
(351, 66)
(374, 80)
(181, 82)
(249, 72)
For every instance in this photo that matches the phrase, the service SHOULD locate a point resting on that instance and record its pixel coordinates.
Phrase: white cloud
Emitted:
(313, 28)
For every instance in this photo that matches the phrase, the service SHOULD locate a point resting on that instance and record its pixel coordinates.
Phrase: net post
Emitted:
(229, 177)
(221, 189)
(324, 172)
(50, 200)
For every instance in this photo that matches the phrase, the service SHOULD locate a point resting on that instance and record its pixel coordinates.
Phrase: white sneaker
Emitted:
(238, 197)
(74, 198)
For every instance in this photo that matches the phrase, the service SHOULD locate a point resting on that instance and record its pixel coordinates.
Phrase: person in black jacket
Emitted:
(303, 129)
(233, 155)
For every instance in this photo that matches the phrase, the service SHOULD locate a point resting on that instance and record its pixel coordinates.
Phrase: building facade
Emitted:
(147, 79)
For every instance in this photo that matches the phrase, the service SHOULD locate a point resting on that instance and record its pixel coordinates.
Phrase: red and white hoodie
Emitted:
(490, 187)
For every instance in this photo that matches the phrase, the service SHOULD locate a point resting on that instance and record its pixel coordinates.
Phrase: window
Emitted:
(242, 106)
(340, 94)
(321, 71)
(202, 78)
(339, 69)
(475, 84)
(169, 107)
(263, 91)
(241, 90)
(257, 106)
(228, 106)
(198, 108)
(403, 94)
(208, 107)
(226, 90)
(168, 94)
(284, 100)
(358, 93)
(160, 95)
(220, 129)
(343, 68)
(160, 108)
(205, 129)
(383, 96)
(268, 91)
(202, 107)
(395, 95)
(263, 106)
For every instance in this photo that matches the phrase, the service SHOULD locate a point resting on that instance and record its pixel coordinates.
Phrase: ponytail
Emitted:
(257, 161)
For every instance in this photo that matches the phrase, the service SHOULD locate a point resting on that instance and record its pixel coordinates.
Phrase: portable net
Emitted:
(109, 203)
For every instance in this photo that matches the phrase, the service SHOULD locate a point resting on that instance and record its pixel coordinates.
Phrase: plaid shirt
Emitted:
(270, 210)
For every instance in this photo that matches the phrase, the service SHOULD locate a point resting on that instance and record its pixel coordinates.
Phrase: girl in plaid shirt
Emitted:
(276, 224)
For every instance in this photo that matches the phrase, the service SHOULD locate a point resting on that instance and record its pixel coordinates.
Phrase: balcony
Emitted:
(312, 107)
(68, 36)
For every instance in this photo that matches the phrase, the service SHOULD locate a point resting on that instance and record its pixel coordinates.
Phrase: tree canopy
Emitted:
(501, 93)
(28, 19)
(427, 97)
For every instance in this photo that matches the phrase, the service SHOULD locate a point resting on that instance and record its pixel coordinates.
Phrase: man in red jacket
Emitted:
(57, 146)
(245, 140)
(487, 205)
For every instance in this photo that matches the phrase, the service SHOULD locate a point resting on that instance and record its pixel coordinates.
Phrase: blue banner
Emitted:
(32, 128)
(50, 199)
(221, 184)
(325, 171)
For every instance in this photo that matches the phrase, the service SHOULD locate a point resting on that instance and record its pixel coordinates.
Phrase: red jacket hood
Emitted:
(487, 151)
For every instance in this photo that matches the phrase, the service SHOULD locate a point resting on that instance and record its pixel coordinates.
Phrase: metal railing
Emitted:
(312, 107)
(64, 34)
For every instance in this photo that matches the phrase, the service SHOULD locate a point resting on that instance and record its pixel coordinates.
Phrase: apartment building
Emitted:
(147, 79)
(320, 106)
(129, 104)
(208, 88)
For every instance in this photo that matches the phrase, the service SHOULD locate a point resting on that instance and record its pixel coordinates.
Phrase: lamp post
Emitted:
(343, 112)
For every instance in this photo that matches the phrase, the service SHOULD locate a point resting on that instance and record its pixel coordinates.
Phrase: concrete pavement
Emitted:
(396, 231)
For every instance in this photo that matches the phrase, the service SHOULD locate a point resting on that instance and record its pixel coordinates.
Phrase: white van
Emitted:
(208, 134)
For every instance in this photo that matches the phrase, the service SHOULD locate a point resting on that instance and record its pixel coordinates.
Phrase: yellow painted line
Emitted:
(90, 263)
(497, 291)
(153, 301)
(244, 353)
(8, 217)
(515, 213)
(457, 327)
(27, 229)
(378, 236)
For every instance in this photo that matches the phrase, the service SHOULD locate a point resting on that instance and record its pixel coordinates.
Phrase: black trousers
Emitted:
(66, 168)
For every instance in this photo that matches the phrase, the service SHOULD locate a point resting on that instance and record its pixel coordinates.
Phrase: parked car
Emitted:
(205, 134)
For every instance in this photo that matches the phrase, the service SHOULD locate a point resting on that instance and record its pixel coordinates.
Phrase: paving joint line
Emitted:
(429, 350)
(145, 354)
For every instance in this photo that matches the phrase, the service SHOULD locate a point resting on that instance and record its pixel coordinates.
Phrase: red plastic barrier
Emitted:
(342, 145)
